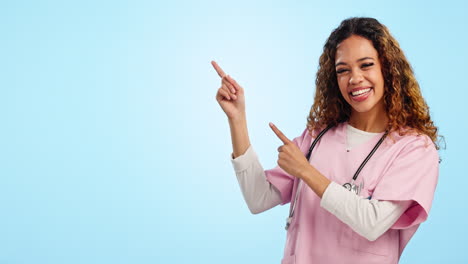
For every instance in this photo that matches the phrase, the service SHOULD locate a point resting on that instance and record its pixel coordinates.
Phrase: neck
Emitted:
(372, 121)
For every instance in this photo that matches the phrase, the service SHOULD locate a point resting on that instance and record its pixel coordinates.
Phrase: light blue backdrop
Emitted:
(113, 148)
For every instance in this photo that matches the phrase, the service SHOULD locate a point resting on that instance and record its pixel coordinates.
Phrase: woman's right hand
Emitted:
(230, 95)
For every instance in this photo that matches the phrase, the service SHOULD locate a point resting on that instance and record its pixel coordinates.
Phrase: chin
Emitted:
(362, 109)
(368, 107)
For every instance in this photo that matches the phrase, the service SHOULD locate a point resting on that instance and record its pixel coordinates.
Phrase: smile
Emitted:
(360, 95)
(360, 92)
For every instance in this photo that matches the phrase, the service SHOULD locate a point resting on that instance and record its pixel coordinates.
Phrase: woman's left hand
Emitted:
(290, 157)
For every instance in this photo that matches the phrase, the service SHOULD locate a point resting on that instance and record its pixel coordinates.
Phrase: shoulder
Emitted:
(408, 142)
(305, 138)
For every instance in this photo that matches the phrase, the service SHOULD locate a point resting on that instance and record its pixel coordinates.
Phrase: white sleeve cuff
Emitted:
(245, 160)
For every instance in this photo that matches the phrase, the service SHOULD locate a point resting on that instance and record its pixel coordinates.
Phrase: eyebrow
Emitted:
(361, 59)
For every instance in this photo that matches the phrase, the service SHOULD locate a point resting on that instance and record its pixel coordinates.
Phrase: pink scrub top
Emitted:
(403, 168)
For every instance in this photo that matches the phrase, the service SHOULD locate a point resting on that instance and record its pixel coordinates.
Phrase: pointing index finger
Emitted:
(280, 134)
(218, 69)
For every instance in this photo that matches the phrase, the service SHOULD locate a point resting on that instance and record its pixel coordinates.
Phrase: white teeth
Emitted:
(363, 91)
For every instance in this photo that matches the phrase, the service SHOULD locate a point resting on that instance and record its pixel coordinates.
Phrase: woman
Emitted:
(377, 141)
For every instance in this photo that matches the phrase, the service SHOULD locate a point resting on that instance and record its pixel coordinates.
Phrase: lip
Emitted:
(362, 97)
(358, 88)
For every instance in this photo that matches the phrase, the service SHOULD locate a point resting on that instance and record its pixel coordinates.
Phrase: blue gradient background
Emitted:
(114, 149)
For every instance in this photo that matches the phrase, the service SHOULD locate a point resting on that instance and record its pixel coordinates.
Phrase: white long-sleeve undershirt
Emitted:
(369, 218)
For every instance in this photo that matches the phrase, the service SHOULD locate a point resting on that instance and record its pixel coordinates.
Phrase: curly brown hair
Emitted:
(406, 109)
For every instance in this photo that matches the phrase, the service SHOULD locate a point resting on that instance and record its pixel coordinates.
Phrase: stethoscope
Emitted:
(350, 186)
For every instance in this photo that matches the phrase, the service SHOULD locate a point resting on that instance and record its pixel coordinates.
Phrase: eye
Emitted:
(342, 70)
(366, 65)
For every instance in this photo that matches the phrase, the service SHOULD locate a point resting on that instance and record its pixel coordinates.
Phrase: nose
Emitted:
(356, 78)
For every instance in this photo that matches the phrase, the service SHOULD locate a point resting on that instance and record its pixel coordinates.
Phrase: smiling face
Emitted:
(359, 75)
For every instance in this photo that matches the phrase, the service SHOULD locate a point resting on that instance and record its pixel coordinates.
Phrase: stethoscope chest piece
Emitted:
(353, 187)
(347, 186)
(288, 223)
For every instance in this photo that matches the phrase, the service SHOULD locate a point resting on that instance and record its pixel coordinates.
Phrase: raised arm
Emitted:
(230, 97)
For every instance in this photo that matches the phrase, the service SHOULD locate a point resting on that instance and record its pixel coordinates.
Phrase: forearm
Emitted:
(369, 218)
(315, 180)
(239, 136)
(259, 194)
